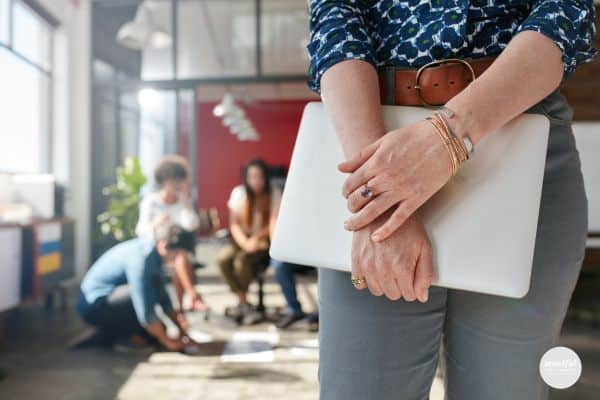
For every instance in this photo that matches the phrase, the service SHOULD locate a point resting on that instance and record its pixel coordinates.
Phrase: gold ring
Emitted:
(358, 281)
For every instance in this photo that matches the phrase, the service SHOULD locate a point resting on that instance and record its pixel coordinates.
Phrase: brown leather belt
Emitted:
(431, 85)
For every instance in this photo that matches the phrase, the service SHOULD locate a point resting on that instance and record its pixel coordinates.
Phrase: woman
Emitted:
(252, 211)
(520, 51)
(170, 206)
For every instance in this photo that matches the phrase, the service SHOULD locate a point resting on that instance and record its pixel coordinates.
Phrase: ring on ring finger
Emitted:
(366, 192)
(361, 197)
(358, 282)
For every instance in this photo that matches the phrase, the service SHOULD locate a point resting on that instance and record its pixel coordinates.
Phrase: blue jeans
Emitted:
(113, 315)
(284, 273)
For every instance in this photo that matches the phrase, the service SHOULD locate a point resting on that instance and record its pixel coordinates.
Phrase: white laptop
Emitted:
(482, 224)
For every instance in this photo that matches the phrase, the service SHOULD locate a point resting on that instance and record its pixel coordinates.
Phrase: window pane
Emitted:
(284, 35)
(130, 124)
(157, 63)
(4, 14)
(104, 74)
(216, 38)
(23, 112)
(186, 129)
(32, 36)
(157, 126)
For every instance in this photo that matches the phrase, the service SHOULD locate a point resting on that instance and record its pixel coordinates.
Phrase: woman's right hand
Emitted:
(250, 245)
(398, 267)
(173, 344)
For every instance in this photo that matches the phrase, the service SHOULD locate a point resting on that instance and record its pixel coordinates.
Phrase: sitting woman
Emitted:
(171, 205)
(252, 207)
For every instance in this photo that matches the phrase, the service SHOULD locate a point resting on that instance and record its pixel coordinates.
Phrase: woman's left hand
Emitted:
(406, 167)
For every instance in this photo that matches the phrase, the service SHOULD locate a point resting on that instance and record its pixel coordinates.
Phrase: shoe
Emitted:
(133, 345)
(289, 320)
(249, 315)
(252, 318)
(238, 312)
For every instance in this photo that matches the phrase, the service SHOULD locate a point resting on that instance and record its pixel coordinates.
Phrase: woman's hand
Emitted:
(178, 317)
(173, 344)
(404, 167)
(251, 245)
(399, 267)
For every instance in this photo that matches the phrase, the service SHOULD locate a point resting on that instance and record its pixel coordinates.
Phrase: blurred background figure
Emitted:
(285, 273)
(171, 205)
(252, 207)
(126, 318)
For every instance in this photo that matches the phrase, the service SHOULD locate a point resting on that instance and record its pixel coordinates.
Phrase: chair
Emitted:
(261, 273)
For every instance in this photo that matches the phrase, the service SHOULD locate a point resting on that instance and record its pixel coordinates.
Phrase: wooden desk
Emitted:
(10, 265)
(48, 256)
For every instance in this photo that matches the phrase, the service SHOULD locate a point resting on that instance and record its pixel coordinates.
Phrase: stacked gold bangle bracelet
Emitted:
(456, 148)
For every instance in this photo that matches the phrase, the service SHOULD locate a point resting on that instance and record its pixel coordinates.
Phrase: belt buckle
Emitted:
(433, 64)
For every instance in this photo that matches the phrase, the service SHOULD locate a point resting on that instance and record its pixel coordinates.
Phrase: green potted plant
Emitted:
(120, 218)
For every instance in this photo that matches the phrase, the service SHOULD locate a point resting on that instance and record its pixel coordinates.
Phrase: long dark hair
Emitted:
(251, 196)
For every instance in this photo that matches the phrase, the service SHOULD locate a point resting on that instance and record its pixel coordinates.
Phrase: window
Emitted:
(4, 26)
(32, 36)
(26, 82)
(223, 43)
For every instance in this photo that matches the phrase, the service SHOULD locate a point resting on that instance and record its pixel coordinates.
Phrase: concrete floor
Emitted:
(257, 362)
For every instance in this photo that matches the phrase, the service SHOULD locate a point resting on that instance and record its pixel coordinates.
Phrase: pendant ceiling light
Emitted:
(143, 31)
(235, 119)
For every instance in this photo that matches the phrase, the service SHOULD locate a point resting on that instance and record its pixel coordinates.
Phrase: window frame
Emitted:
(47, 138)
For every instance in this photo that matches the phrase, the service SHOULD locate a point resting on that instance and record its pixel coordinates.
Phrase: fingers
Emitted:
(370, 212)
(385, 278)
(424, 274)
(357, 272)
(359, 159)
(372, 283)
(357, 199)
(398, 217)
(395, 281)
(380, 282)
(361, 268)
(390, 288)
(404, 275)
(357, 179)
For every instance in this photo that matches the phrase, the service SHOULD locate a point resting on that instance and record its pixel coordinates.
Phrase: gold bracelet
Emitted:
(465, 138)
(447, 144)
(459, 147)
(456, 149)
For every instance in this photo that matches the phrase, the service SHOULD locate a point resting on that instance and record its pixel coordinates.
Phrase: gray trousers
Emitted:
(374, 348)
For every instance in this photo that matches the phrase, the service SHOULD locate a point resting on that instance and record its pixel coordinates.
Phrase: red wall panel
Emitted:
(221, 155)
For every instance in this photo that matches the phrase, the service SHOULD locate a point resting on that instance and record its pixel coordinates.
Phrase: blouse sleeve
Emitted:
(189, 219)
(237, 199)
(570, 24)
(145, 224)
(338, 32)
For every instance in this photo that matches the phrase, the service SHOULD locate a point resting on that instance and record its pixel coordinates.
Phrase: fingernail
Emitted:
(376, 237)
(347, 225)
(425, 296)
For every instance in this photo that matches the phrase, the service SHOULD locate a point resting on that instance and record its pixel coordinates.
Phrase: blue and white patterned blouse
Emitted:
(414, 32)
